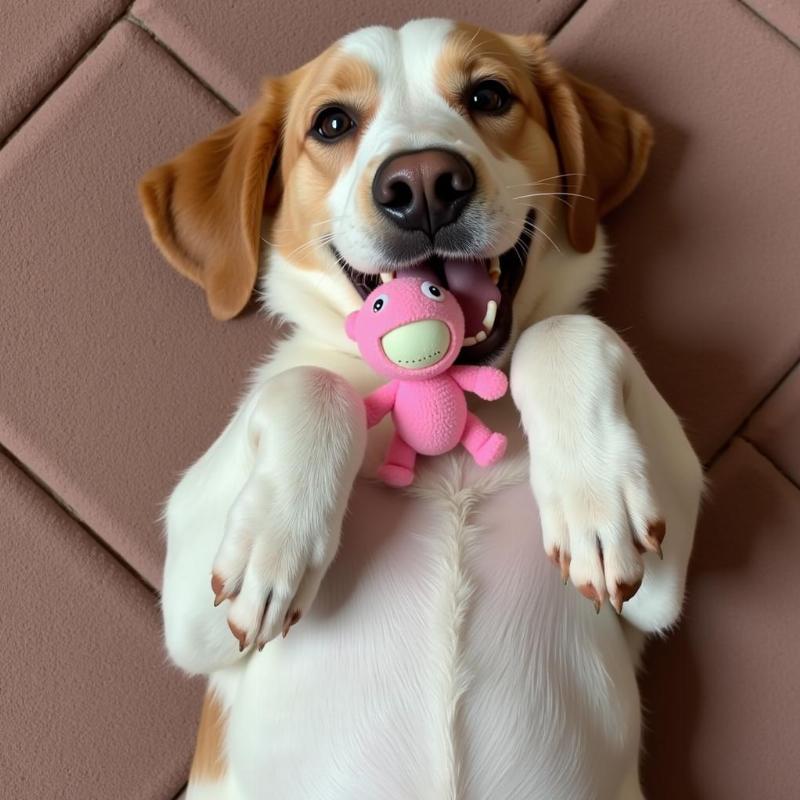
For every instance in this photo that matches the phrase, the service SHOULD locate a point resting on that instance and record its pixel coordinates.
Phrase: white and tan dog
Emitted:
(440, 658)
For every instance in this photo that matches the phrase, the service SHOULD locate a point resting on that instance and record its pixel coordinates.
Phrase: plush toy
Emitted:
(411, 330)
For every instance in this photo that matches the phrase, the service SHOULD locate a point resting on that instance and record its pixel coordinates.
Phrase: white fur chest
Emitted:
(442, 659)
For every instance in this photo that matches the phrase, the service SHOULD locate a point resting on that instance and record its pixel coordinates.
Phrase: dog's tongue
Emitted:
(469, 281)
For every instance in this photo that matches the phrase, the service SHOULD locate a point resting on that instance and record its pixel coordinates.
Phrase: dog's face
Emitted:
(438, 150)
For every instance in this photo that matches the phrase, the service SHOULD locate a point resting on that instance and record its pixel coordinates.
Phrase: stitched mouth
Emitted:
(484, 287)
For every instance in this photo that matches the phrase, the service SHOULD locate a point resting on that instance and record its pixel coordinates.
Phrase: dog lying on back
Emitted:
(438, 656)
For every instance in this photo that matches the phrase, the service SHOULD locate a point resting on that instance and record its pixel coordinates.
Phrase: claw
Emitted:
(293, 620)
(241, 636)
(624, 593)
(218, 587)
(565, 562)
(590, 593)
(656, 531)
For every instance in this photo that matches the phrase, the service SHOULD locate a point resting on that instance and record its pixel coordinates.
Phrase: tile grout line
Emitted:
(73, 515)
(65, 77)
(180, 62)
(771, 25)
(566, 21)
(739, 430)
(777, 467)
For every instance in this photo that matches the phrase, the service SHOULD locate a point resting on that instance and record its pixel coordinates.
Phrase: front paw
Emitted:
(269, 566)
(492, 384)
(599, 518)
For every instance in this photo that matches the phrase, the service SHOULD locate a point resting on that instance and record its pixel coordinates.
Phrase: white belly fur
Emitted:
(442, 660)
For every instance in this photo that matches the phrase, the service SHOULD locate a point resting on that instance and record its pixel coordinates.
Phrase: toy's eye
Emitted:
(433, 291)
(380, 303)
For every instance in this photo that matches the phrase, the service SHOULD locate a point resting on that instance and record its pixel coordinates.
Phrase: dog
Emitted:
(429, 648)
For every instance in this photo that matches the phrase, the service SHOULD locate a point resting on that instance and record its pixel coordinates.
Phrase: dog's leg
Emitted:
(611, 468)
(261, 510)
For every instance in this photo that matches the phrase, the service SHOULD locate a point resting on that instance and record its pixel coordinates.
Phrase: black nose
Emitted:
(423, 190)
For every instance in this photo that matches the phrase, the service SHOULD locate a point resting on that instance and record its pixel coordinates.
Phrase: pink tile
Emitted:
(115, 377)
(233, 46)
(706, 284)
(89, 706)
(721, 692)
(39, 42)
(783, 14)
(775, 428)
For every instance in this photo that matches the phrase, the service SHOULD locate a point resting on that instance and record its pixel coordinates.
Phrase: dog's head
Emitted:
(438, 149)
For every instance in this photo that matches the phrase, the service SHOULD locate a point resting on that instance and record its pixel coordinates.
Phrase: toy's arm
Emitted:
(486, 382)
(380, 402)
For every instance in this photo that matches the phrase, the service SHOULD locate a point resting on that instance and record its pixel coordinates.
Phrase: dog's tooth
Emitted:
(469, 341)
(491, 313)
(387, 276)
(480, 336)
(494, 271)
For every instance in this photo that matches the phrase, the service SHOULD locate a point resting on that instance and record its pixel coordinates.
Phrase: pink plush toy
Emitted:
(411, 330)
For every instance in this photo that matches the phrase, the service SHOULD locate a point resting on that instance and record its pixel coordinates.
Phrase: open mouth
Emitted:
(484, 287)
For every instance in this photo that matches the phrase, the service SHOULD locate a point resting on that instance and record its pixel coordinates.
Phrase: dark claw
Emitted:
(590, 593)
(624, 593)
(241, 636)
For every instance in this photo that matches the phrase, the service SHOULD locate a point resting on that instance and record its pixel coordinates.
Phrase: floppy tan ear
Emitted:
(603, 146)
(204, 207)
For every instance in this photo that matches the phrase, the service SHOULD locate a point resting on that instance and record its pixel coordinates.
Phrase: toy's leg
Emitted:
(485, 446)
(398, 469)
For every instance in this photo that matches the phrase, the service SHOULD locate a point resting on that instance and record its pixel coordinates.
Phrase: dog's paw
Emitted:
(598, 513)
(269, 566)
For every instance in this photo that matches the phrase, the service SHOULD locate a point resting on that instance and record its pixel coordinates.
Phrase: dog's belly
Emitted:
(443, 659)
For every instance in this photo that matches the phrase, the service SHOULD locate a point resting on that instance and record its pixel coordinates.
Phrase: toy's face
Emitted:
(408, 328)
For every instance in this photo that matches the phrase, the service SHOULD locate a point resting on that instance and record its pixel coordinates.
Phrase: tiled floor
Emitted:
(113, 377)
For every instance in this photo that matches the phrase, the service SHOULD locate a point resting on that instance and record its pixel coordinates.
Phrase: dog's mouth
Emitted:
(484, 287)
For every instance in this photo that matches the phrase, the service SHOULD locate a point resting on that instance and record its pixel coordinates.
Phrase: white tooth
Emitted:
(387, 276)
(469, 341)
(491, 313)
(480, 336)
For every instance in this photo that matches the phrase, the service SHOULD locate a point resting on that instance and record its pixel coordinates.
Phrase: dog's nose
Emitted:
(423, 190)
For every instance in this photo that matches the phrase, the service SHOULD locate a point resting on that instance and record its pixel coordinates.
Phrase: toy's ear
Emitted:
(350, 325)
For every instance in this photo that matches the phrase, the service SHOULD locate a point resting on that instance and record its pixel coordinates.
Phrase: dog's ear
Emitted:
(603, 146)
(204, 207)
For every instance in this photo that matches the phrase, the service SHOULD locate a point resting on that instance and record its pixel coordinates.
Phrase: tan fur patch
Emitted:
(310, 168)
(209, 763)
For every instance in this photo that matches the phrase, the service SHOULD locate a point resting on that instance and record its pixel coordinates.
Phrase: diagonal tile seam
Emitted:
(769, 24)
(761, 457)
(767, 458)
(73, 515)
(134, 20)
(65, 77)
(571, 14)
(739, 430)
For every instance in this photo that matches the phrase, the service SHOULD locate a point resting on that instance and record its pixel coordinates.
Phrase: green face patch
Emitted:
(417, 344)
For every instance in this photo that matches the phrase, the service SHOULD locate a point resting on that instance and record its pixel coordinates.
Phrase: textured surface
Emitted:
(775, 428)
(706, 284)
(119, 378)
(783, 14)
(721, 693)
(111, 348)
(88, 677)
(233, 45)
(39, 42)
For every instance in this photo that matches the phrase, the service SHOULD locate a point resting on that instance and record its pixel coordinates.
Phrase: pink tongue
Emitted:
(469, 281)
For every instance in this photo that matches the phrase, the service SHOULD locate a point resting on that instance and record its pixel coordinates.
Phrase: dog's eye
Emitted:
(432, 291)
(489, 97)
(380, 303)
(332, 122)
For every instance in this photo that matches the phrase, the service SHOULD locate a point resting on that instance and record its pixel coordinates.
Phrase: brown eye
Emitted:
(489, 97)
(331, 123)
